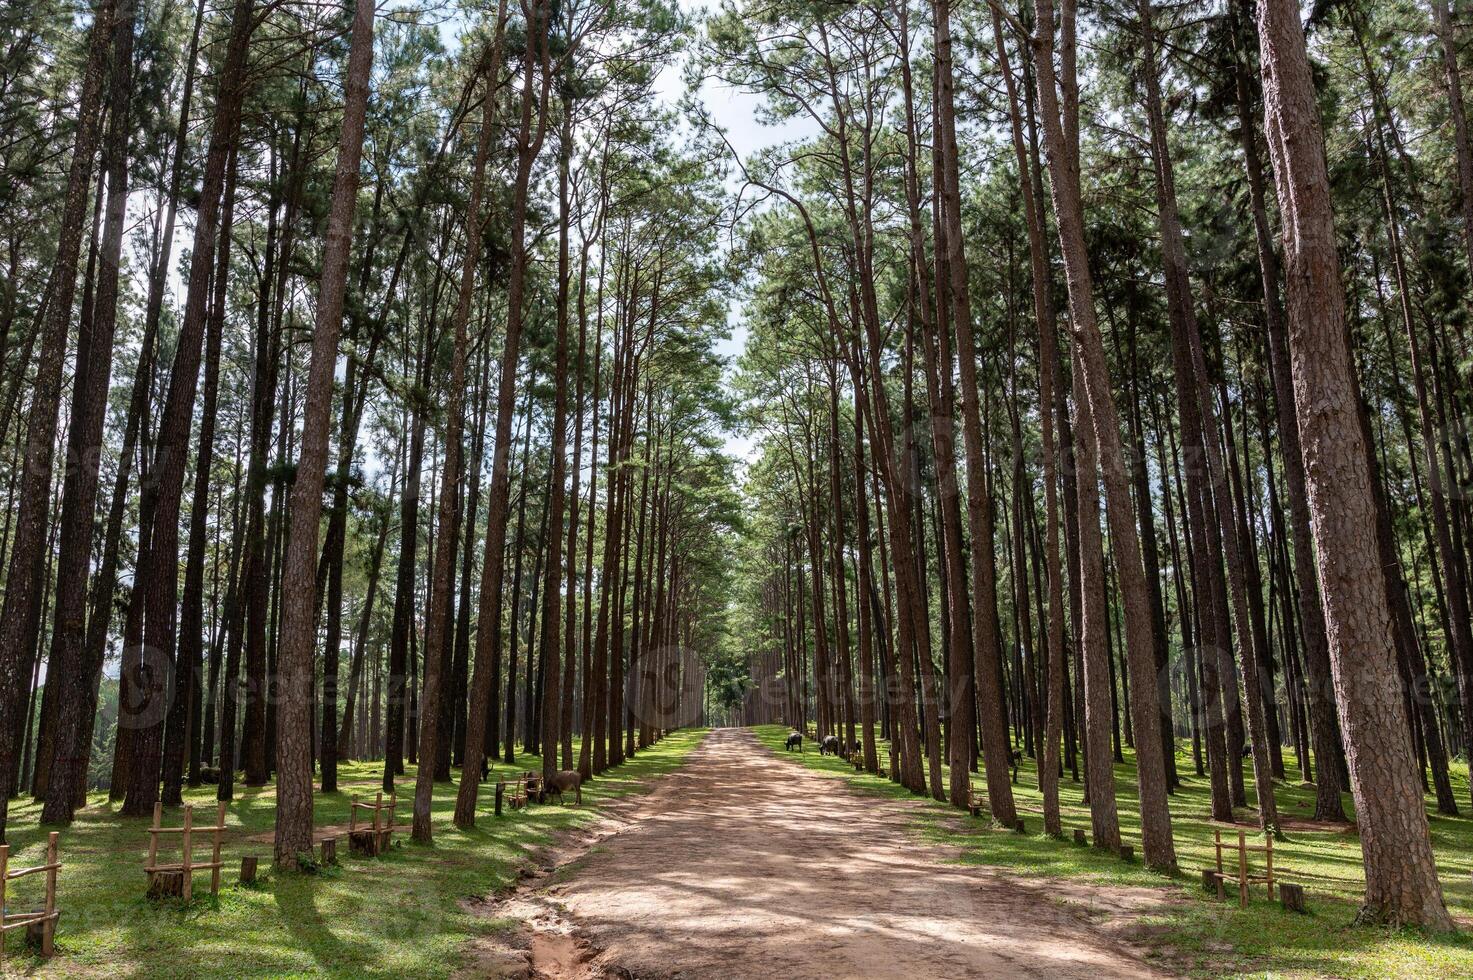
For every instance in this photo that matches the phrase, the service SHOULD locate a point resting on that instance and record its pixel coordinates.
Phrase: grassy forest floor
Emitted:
(403, 914)
(1217, 938)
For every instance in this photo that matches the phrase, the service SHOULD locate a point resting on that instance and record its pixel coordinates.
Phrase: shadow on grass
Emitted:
(400, 914)
(1209, 937)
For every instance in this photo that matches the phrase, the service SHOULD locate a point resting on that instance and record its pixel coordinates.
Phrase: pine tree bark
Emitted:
(1401, 874)
(529, 144)
(299, 582)
(71, 667)
(24, 586)
(442, 579)
(188, 662)
(1059, 101)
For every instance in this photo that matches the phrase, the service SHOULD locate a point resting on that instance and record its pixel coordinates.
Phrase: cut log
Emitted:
(329, 851)
(364, 842)
(248, 869)
(1292, 897)
(1081, 838)
(40, 936)
(1211, 881)
(166, 884)
(1127, 853)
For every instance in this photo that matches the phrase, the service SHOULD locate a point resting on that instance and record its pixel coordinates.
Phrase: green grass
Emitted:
(400, 915)
(1209, 937)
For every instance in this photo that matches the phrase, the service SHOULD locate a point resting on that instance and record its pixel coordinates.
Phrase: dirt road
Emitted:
(742, 864)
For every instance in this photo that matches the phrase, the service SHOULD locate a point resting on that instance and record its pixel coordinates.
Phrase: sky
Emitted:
(735, 111)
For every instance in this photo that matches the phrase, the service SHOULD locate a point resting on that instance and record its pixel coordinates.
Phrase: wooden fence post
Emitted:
(153, 840)
(4, 867)
(48, 930)
(187, 846)
(215, 855)
(1270, 861)
(1242, 869)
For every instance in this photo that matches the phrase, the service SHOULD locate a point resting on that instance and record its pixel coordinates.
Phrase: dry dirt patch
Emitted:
(741, 864)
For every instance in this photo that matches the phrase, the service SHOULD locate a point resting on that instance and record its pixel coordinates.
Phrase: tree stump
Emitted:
(1081, 838)
(1127, 853)
(500, 794)
(40, 936)
(364, 842)
(1020, 826)
(166, 884)
(329, 851)
(248, 869)
(1292, 897)
(1211, 881)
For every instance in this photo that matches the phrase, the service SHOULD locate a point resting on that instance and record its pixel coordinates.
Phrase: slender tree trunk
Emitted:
(529, 145)
(298, 633)
(1325, 726)
(442, 577)
(1192, 383)
(188, 663)
(156, 575)
(71, 667)
(24, 586)
(1062, 137)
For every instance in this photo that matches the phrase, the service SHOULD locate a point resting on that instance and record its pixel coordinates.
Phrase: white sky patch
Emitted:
(736, 111)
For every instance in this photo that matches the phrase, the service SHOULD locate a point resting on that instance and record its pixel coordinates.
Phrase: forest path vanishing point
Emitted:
(743, 864)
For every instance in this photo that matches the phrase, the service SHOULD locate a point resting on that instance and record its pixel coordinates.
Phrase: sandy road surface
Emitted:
(742, 864)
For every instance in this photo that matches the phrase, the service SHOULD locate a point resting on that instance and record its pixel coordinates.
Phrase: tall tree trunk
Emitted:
(442, 577)
(71, 667)
(299, 583)
(1401, 874)
(1048, 360)
(24, 586)
(529, 144)
(986, 640)
(188, 662)
(1324, 725)
(157, 572)
(1192, 383)
(1447, 39)
(1061, 129)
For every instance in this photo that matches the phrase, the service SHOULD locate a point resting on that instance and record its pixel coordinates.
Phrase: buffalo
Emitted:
(562, 781)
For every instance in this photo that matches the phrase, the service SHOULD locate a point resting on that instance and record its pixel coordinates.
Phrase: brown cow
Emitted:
(562, 781)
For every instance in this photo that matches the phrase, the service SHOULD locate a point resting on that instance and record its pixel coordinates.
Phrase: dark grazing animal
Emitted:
(829, 746)
(794, 738)
(562, 781)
